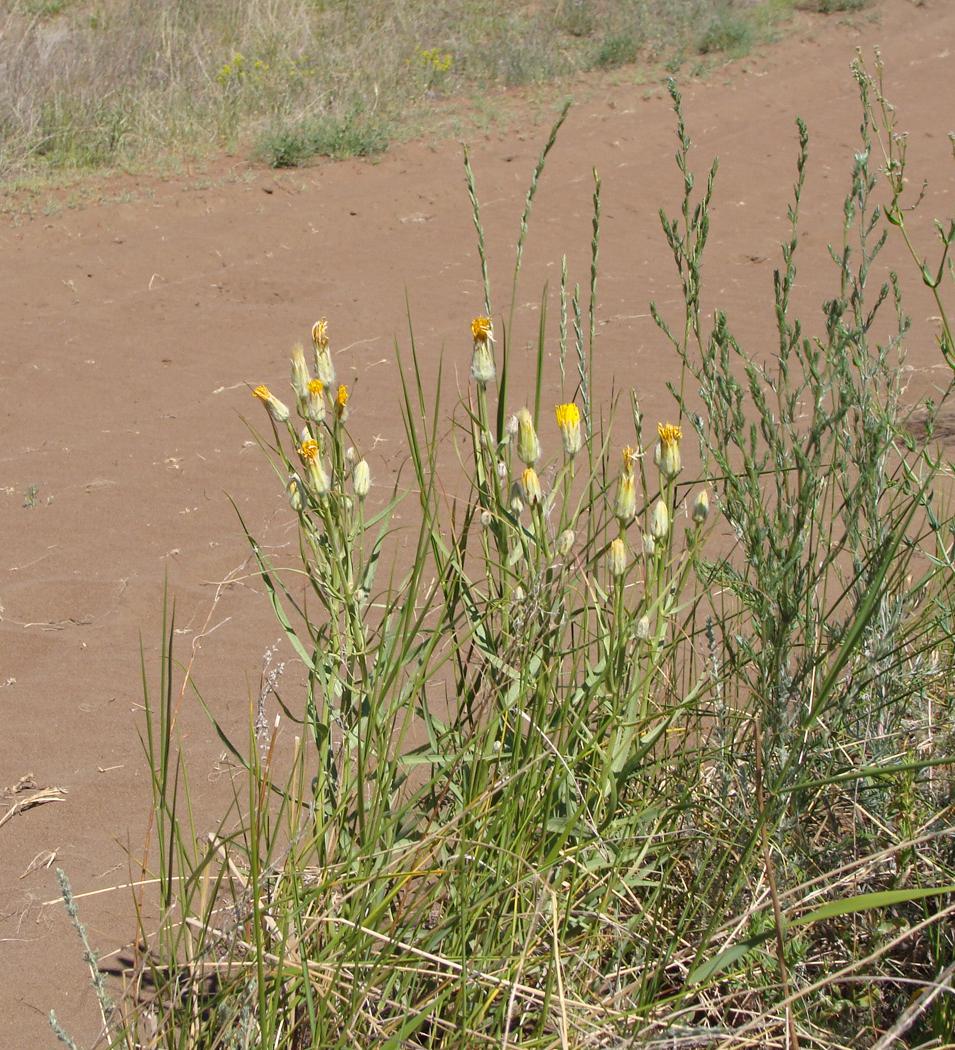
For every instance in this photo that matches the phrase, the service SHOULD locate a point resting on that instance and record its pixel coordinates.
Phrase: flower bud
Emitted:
(361, 479)
(701, 507)
(659, 521)
(516, 502)
(617, 558)
(511, 427)
(278, 411)
(324, 367)
(625, 508)
(565, 542)
(486, 518)
(667, 454)
(531, 491)
(341, 402)
(296, 494)
(300, 376)
(528, 447)
(643, 628)
(568, 421)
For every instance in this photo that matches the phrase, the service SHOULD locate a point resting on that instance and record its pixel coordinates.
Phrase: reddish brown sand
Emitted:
(129, 333)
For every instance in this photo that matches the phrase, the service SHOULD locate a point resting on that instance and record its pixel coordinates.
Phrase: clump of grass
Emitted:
(575, 773)
(727, 30)
(352, 136)
(619, 49)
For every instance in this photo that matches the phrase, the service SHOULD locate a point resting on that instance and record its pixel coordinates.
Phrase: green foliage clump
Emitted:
(584, 770)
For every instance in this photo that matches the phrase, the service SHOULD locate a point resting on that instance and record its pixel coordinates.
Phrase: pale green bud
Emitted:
(617, 558)
(296, 495)
(528, 446)
(531, 491)
(626, 505)
(701, 507)
(361, 479)
(659, 521)
(300, 376)
(565, 542)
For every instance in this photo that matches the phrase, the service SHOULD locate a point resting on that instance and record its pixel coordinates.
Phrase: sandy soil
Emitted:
(129, 332)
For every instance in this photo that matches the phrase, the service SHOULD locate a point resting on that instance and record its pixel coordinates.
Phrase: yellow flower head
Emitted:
(276, 409)
(568, 421)
(341, 400)
(668, 450)
(670, 433)
(320, 334)
(629, 459)
(316, 387)
(308, 450)
(481, 329)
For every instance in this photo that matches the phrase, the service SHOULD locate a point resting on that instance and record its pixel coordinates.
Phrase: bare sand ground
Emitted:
(129, 332)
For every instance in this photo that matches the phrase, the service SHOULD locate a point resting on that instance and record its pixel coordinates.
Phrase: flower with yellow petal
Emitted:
(668, 450)
(276, 409)
(324, 367)
(482, 330)
(568, 422)
(315, 401)
(341, 402)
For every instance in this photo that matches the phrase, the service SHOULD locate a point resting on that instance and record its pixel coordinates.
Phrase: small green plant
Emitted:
(617, 50)
(726, 31)
(352, 136)
(31, 498)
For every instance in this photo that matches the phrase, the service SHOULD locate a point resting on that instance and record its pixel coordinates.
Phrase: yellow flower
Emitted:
(315, 401)
(629, 458)
(482, 330)
(308, 450)
(276, 409)
(568, 421)
(668, 450)
(341, 401)
(528, 446)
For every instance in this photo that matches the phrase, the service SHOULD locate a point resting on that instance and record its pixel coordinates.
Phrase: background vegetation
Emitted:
(90, 83)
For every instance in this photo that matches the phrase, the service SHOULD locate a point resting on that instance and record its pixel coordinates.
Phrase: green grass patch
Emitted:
(352, 136)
